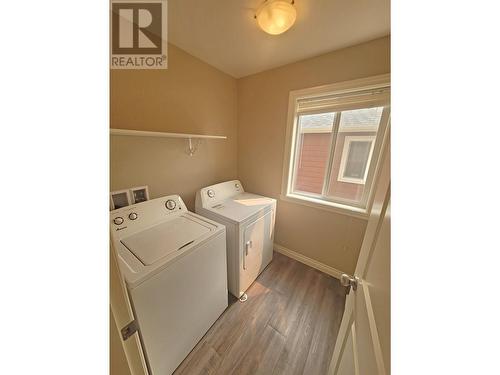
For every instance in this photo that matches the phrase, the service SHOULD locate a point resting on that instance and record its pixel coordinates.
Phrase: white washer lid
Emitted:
(154, 243)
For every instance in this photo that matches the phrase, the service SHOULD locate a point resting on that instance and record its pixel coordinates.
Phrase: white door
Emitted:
(122, 316)
(257, 249)
(363, 343)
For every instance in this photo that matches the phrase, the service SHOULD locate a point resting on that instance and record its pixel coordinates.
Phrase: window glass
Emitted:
(352, 155)
(314, 135)
(361, 119)
(349, 160)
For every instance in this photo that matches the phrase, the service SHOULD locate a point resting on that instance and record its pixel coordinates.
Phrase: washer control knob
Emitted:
(132, 216)
(118, 220)
(211, 193)
(237, 186)
(170, 204)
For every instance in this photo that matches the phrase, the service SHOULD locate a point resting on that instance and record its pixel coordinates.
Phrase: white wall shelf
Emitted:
(140, 133)
(191, 147)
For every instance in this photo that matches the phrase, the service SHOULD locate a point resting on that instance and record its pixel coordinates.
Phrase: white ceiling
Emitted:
(224, 33)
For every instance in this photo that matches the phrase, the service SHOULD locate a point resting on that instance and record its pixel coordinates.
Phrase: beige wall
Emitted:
(189, 97)
(330, 238)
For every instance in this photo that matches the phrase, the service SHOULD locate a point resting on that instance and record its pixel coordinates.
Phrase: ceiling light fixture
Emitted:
(276, 16)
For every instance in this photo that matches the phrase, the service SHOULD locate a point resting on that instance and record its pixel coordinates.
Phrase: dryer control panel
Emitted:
(142, 215)
(211, 195)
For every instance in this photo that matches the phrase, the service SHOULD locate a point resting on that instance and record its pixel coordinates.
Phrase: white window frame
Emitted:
(345, 153)
(323, 202)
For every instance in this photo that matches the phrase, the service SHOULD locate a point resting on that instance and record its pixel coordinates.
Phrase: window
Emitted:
(335, 136)
(356, 157)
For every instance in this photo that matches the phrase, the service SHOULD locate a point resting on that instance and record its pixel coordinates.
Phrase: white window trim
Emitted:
(290, 140)
(345, 152)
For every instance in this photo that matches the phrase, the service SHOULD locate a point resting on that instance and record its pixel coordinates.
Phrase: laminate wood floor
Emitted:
(288, 325)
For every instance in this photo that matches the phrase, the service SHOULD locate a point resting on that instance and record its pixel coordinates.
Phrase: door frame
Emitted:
(123, 314)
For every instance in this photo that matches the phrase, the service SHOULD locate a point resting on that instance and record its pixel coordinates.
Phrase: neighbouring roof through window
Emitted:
(321, 122)
(366, 118)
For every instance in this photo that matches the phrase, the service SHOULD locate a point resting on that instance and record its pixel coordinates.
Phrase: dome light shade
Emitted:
(276, 16)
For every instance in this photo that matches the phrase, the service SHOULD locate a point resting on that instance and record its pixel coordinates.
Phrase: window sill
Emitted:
(343, 209)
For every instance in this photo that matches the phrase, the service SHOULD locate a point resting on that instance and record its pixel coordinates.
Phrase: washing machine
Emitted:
(174, 265)
(249, 220)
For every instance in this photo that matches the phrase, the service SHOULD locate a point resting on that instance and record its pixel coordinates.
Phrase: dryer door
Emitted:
(257, 249)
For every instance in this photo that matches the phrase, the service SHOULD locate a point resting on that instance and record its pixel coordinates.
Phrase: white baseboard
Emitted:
(308, 261)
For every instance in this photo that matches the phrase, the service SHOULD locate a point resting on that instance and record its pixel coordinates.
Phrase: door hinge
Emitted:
(349, 281)
(129, 330)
